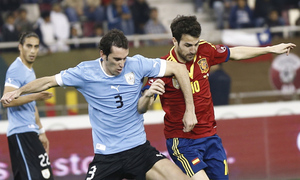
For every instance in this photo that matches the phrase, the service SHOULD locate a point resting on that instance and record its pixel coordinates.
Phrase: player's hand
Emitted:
(157, 87)
(189, 121)
(283, 48)
(43, 95)
(43, 138)
(8, 97)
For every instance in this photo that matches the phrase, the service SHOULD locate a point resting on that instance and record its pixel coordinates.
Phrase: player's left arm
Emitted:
(42, 133)
(243, 52)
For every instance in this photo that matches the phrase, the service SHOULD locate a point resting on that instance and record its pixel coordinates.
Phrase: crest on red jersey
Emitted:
(203, 65)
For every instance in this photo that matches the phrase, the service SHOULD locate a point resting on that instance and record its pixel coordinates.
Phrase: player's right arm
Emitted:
(182, 76)
(25, 99)
(37, 85)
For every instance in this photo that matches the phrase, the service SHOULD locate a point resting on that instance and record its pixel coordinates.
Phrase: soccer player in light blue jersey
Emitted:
(112, 85)
(28, 143)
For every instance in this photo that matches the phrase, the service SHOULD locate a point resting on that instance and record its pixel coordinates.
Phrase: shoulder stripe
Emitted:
(171, 57)
(205, 42)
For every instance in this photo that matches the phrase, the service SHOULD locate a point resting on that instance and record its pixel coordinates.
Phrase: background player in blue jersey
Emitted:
(28, 143)
(112, 85)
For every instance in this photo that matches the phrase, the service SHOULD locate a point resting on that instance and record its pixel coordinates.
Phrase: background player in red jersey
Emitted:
(199, 153)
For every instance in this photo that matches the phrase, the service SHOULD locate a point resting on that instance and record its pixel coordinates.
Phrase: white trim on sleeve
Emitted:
(59, 79)
(11, 85)
(163, 67)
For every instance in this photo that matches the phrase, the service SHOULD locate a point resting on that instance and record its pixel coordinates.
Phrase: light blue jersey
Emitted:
(116, 124)
(21, 118)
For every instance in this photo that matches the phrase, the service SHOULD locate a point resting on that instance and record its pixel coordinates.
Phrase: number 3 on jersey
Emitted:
(119, 100)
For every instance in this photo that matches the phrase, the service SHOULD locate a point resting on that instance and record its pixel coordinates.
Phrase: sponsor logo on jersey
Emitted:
(114, 87)
(196, 161)
(100, 147)
(159, 155)
(46, 173)
(130, 78)
(203, 65)
(31, 126)
(9, 80)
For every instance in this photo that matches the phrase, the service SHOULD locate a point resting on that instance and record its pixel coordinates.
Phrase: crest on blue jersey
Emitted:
(130, 78)
(46, 173)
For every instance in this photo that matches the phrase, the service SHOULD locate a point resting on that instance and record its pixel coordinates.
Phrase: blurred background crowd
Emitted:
(58, 20)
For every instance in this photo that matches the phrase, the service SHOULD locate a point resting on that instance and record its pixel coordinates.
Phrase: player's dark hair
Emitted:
(185, 25)
(25, 35)
(114, 37)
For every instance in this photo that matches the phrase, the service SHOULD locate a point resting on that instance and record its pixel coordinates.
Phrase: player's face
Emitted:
(113, 64)
(29, 50)
(187, 48)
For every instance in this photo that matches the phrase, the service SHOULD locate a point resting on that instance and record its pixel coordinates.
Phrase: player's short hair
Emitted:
(185, 25)
(114, 37)
(25, 35)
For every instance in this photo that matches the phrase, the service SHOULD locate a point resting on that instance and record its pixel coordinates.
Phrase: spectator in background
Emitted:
(262, 9)
(220, 83)
(45, 30)
(61, 27)
(154, 26)
(198, 6)
(241, 16)
(98, 32)
(94, 11)
(9, 5)
(9, 30)
(73, 10)
(119, 17)
(274, 19)
(74, 37)
(140, 11)
(33, 9)
(221, 9)
(22, 23)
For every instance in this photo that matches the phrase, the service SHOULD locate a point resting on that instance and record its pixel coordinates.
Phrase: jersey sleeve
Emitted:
(221, 53)
(14, 78)
(151, 67)
(70, 77)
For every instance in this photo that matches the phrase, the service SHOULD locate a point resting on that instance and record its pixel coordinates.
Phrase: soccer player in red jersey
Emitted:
(199, 153)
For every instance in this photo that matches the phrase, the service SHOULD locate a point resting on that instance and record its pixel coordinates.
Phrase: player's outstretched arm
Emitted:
(25, 99)
(243, 52)
(37, 85)
(182, 76)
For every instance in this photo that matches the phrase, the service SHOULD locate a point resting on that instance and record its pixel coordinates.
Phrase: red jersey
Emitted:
(172, 100)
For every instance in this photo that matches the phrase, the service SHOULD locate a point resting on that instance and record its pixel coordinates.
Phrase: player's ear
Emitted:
(20, 47)
(102, 54)
(175, 42)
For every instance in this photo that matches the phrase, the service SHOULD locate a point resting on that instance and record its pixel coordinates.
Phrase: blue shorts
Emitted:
(193, 155)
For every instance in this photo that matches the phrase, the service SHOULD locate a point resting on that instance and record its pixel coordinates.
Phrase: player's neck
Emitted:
(178, 57)
(27, 64)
